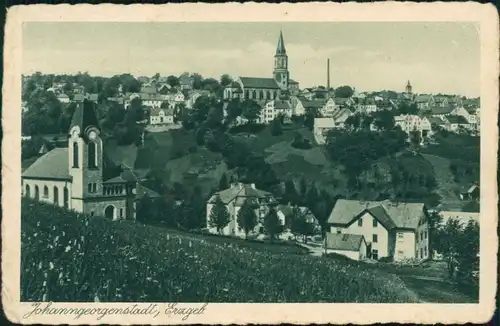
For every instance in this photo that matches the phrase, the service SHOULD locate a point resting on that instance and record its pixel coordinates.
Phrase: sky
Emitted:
(437, 57)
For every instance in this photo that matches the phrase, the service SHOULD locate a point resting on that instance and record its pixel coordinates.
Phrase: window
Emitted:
(45, 192)
(90, 187)
(94, 187)
(375, 238)
(425, 251)
(375, 223)
(75, 154)
(27, 193)
(339, 230)
(425, 234)
(360, 222)
(56, 196)
(375, 254)
(92, 155)
(400, 236)
(421, 253)
(92, 213)
(421, 236)
(121, 212)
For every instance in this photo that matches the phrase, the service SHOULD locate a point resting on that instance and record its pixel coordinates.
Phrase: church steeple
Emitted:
(408, 88)
(280, 73)
(280, 49)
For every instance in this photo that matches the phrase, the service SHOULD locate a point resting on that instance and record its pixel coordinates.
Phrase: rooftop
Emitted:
(338, 241)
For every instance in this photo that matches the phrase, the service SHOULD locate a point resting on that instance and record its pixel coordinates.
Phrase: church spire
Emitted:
(280, 49)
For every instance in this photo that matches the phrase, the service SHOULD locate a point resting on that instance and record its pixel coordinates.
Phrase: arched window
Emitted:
(247, 93)
(46, 192)
(254, 94)
(269, 95)
(37, 192)
(92, 155)
(56, 196)
(66, 197)
(27, 192)
(261, 94)
(75, 154)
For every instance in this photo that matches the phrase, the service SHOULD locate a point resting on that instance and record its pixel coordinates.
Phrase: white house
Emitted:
(63, 98)
(321, 128)
(152, 100)
(410, 122)
(351, 245)
(329, 108)
(233, 198)
(457, 123)
(390, 229)
(161, 116)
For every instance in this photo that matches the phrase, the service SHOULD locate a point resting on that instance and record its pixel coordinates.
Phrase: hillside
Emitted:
(70, 257)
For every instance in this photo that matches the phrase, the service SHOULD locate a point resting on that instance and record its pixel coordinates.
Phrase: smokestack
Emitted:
(328, 73)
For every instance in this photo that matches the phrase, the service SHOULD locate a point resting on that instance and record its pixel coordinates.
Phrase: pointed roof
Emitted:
(84, 116)
(280, 49)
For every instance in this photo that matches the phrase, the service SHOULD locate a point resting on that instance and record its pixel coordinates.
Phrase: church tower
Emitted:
(280, 73)
(408, 88)
(85, 155)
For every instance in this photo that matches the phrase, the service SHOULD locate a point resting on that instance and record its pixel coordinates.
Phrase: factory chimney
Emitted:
(328, 73)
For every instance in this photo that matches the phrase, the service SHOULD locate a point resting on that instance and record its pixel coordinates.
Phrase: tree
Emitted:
(197, 81)
(407, 108)
(344, 91)
(447, 243)
(467, 252)
(299, 225)
(303, 190)
(223, 182)
(156, 76)
(276, 129)
(434, 221)
(225, 80)
(290, 196)
(272, 224)
(219, 216)
(173, 80)
(383, 120)
(234, 109)
(251, 110)
(247, 219)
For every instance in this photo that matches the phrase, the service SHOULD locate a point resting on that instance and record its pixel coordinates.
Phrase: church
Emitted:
(267, 89)
(80, 177)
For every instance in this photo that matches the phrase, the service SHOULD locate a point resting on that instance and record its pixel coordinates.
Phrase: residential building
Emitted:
(470, 193)
(391, 229)
(458, 124)
(234, 197)
(63, 98)
(158, 116)
(186, 81)
(286, 212)
(74, 177)
(410, 123)
(424, 101)
(152, 100)
(351, 245)
(276, 108)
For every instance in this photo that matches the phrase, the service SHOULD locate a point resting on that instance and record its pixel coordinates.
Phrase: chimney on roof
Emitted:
(328, 74)
(252, 185)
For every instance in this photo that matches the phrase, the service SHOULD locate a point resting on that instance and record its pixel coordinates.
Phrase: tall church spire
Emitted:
(280, 73)
(280, 49)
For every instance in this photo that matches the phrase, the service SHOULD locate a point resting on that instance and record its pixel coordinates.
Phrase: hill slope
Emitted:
(70, 257)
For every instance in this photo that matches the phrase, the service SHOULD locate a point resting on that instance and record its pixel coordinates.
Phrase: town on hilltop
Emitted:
(383, 177)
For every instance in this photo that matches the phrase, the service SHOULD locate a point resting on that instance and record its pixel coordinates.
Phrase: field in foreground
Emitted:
(71, 257)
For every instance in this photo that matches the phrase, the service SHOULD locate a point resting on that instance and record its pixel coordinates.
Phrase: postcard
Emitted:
(250, 163)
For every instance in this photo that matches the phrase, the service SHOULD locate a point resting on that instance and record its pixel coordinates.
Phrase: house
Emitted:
(424, 101)
(276, 108)
(234, 197)
(436, 122)
(78, 178)
(161, 116)
(441, 110)
(367, 105)
(410, 123)
(63, 98)
(151, 100)
(351, 245)
(470, 193)
(391, 229)
(285, 214)
(323, 125)
(297, 106)
(186, 81)
(458, 123)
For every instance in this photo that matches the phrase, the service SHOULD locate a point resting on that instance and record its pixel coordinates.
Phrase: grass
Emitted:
(71, 257)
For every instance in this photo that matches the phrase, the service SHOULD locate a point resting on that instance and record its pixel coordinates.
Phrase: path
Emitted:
(446, 185)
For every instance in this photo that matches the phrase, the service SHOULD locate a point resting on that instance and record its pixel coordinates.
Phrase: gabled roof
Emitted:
(441, 110)
(257, 82)
(281, 105)
(313, 104)
(324, 123)
(346, 241)
(291, 81)
(458, 119)
(84, 116)
(403, 215)
(435, 120)
(155, 111)
(422, 98)
(240, 192)
(53, 165)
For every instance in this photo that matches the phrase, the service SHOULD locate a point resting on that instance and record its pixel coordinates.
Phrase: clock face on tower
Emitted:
(92, 135)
